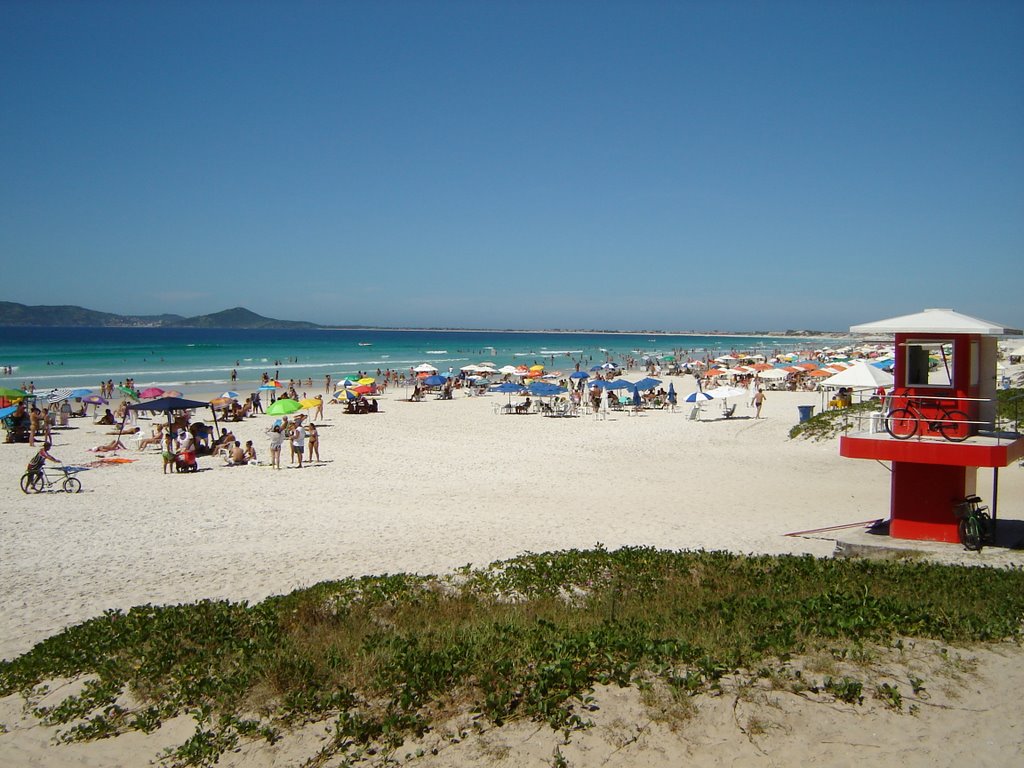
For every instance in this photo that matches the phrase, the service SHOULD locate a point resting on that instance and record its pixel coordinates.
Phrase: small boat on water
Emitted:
(436, 352)
(365, 344)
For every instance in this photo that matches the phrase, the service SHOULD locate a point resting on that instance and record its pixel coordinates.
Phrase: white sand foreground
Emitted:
(430, 486)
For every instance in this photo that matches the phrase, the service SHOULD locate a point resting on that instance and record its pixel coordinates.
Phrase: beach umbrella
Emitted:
(80, 392)
(579, 375)
(721, 393)
(5, 412)
(283, 406)
(129, 391)
(363, 389)
(507, 388)
(618, 384)
(366, 380)
(94, 400)
(424, 368)
(229, 395)
(636, 396)
(310, 402)
(672, 393)
(267, 388)
(12, 394)
(544, 389)
(54, 396)
(435, 380)
(647, 383)
(698, 397)
(345, 394)
(151, 392)
(507, 369)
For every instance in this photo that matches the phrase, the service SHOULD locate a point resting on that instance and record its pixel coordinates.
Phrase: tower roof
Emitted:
(936, 321)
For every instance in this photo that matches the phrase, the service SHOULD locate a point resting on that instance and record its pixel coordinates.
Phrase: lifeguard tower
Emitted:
(945, 389)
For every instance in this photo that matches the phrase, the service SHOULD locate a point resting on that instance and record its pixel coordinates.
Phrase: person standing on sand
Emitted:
(313, 442)
(298, 442)
(759, 399)
(276, 440)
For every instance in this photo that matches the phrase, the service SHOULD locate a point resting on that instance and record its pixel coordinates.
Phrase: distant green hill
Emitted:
(239, 317)
(12, 313)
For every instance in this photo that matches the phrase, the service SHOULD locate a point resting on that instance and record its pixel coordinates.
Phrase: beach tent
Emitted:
(167, 405)
(860, 375)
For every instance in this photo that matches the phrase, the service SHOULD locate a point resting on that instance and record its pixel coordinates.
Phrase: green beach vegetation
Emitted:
(385, 658)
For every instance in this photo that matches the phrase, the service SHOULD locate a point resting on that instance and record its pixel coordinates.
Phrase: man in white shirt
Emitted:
(299, 442)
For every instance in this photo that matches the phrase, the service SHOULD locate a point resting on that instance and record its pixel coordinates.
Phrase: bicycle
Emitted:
(975, 523)
(37, 482)
(903, 423)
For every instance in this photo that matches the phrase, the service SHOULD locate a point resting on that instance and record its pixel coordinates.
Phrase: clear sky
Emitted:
(633, 165)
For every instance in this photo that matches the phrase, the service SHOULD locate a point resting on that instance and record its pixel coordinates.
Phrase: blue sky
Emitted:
(713, 165)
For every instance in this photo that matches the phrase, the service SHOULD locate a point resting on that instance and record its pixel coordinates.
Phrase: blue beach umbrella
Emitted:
(579, 375)
(508, 388)
(435, 381)
(636, 396)
(672, 393)
(543, 389)
(81, 392)
(5, 412)
(698, 397)
(619, 384)
(647, 383)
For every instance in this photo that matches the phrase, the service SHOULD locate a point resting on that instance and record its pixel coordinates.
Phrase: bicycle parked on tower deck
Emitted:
(903, 423)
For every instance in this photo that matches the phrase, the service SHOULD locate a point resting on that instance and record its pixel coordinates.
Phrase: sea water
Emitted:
(201, 360)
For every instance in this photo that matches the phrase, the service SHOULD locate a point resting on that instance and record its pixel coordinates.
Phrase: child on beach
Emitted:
(276, 440)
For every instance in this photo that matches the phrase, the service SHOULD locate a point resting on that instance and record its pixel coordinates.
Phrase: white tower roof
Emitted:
(935, 321)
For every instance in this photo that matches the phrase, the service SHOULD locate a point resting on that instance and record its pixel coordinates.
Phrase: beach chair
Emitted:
(728, 410)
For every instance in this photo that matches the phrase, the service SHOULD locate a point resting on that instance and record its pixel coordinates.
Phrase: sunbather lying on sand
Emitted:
(115, 445)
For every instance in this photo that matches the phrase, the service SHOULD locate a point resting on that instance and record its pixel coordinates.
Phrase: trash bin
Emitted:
(806, 411)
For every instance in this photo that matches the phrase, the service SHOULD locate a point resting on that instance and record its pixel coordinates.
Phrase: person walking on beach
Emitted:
(759, 399)
(35, 465)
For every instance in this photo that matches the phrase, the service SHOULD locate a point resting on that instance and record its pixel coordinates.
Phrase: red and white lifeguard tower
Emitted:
(945, 361)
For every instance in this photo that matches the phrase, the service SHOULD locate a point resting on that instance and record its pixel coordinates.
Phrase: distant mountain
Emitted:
(12, 313)
(239, 317)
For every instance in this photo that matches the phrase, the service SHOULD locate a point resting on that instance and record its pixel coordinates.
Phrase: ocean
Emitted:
(201, 360)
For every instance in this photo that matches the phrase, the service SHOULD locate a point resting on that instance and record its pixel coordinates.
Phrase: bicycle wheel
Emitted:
(72, 485)
(970, 533)
(901, 423)
(988, 533)
(28, 483)
(954, 426)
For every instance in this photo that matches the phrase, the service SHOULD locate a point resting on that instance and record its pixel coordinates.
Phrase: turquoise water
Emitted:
(202, 359)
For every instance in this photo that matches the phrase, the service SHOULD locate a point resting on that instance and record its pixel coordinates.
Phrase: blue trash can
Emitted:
(806, 411)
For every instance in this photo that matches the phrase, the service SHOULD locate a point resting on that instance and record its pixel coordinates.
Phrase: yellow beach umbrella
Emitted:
(310, 402)
(366, 380)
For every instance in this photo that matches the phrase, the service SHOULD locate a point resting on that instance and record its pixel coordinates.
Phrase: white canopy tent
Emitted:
(860, 375)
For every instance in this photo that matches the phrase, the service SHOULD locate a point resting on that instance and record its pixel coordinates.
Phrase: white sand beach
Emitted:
(434, 485)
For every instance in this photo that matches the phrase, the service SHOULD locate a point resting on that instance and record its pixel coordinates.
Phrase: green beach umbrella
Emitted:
(284, 406)
(129, 391)
(12, 394)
